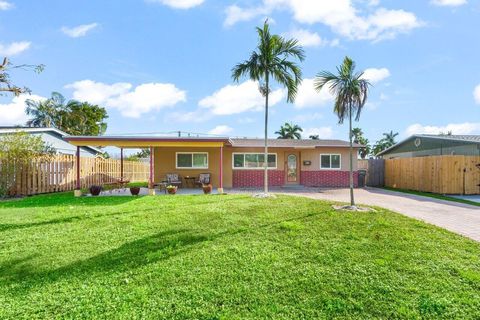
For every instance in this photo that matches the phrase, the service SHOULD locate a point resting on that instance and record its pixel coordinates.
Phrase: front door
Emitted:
(292, 168)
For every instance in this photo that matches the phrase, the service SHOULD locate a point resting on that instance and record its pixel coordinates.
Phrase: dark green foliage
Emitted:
(289, 131)
(73, 117)
(227, 257)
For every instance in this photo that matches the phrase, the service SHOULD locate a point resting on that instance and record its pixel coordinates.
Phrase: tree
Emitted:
(6, 85)
(271, 61)
(289, 131)
(386, 142)
(360, 139)
(314, 137)
(350, 91)
(16, 150)
(73, 117)
(142, 154)
(390, 138)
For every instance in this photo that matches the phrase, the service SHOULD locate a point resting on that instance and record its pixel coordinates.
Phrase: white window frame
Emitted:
(247, 168)
(331, 154)
(192, 153)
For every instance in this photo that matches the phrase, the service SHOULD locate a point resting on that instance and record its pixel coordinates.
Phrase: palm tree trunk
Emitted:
(352, 200)
(265, 160)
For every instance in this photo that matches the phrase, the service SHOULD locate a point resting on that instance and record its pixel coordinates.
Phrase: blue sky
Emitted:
(164, 65)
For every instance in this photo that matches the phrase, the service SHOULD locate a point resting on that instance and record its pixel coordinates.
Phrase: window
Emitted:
(253, 160)
(192, 160)
(330, 161)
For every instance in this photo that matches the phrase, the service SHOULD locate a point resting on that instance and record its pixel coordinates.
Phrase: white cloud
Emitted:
(5, 5)
(307, 38)
(179, 4)
(455, 128)
(142, 99)
(236, 14)
(79, 31)
(14, 48)
(233, 99)
(375, 75)
(221, 130)
(448, 3)
(322, 132)
(307, 96)
(307, 117)
(13, 113)
(476, 94)
(341, 16)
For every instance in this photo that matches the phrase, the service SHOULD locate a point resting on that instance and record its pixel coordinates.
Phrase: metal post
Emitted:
(121, 164)
(220, 184)
(151, 187)
(78, 192)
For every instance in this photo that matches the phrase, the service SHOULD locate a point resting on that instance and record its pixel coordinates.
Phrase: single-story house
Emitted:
(422, 145)
(238, 163)
(54, 138)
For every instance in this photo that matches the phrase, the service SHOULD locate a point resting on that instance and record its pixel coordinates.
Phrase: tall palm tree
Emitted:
(45, 113)
(289, 131)
(271, 61)
(389, 137)
(351, 91)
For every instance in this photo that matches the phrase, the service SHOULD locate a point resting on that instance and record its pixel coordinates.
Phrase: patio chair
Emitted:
(173, 179)
(203, 178)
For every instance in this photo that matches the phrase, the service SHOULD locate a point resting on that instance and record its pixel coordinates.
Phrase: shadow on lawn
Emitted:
(64, 199)
(130, 255)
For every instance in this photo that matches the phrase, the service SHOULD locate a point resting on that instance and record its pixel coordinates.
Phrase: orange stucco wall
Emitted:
(165, 161)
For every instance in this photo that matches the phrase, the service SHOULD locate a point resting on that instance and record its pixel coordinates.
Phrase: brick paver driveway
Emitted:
(456, 217)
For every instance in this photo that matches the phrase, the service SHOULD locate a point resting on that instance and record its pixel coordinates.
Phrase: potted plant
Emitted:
(171, 189)
(95, 190)
(207, 188)
(134, 191)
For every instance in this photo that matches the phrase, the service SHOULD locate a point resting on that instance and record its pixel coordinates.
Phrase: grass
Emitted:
(435, 196)
(227, 257)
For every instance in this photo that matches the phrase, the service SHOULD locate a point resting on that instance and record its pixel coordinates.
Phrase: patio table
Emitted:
(190, 181)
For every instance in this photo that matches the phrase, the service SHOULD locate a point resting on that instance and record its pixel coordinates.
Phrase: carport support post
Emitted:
(220, 183)
(78, 191)
(121, 164)
(151, 187)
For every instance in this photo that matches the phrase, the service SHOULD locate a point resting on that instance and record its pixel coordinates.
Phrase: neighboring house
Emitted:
(54, 138)
(237, 163)
(421, 145)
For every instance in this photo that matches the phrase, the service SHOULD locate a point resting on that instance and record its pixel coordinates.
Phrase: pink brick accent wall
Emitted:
(254, 178)
(327, 178)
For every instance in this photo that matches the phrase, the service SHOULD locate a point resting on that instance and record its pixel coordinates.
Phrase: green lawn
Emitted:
(435, 196)
(227, 257)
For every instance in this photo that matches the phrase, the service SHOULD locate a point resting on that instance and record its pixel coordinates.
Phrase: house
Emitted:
(421, 145)
(237, 163)
(54, 138)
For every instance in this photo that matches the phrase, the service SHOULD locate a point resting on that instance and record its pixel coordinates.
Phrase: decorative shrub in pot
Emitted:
(171, 189)
(207, 188)
(95, 190)
(134, 191)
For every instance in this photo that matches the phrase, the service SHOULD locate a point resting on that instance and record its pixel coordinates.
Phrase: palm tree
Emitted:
(289, 131)
(271, 61)
(45, 113)
(389, 138)
(351, 92)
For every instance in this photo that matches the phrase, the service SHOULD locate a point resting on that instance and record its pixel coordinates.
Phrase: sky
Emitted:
(165, 65)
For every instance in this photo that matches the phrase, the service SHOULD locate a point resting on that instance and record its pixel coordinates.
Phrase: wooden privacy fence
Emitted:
(59, 174)
(375, 171)
(437, 174)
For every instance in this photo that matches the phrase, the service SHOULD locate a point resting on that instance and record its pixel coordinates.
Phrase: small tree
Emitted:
(16, 150)
(314, 137)
(350, 90)
(273, 60)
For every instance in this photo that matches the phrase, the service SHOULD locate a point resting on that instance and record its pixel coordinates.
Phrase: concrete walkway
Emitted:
(457, 217)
